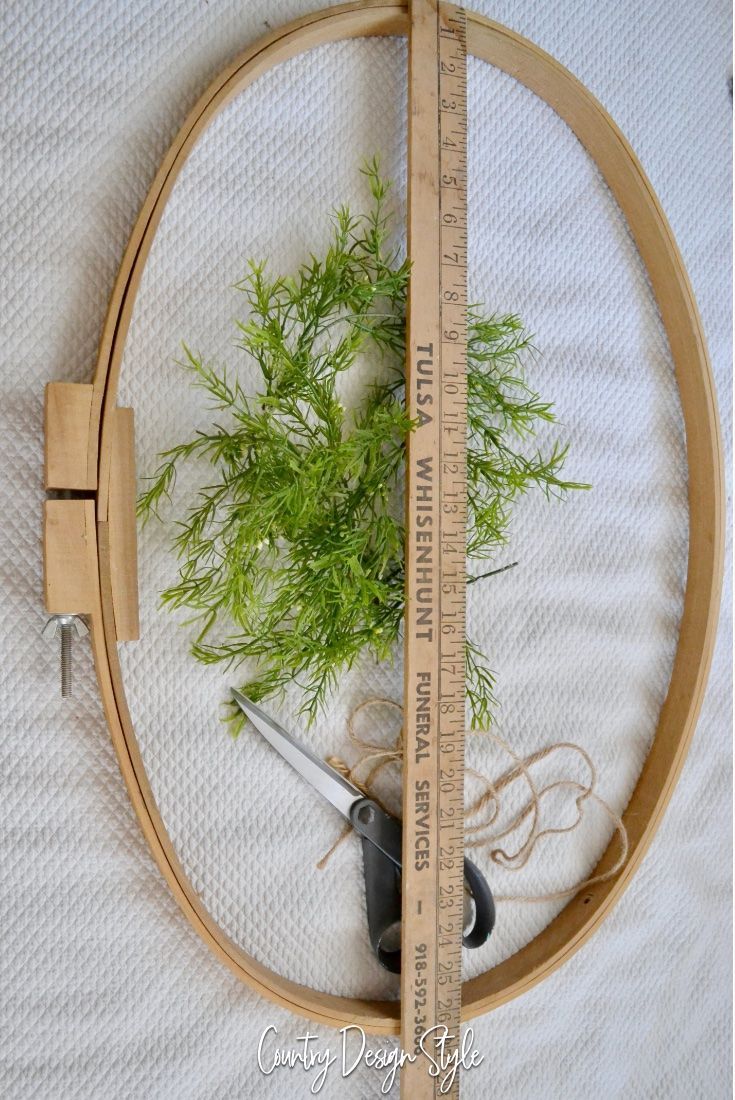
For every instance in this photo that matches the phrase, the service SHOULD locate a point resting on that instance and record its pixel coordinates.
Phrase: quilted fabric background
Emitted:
(105, 989)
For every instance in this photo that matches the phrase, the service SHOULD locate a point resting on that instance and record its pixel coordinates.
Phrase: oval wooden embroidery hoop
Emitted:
(623, 174)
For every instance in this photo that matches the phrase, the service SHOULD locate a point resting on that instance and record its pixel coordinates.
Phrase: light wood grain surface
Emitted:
(624, 175)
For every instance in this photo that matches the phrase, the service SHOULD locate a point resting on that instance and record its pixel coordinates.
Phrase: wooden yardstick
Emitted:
(436, 496)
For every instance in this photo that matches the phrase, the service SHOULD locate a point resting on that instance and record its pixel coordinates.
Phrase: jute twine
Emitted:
(484, 811)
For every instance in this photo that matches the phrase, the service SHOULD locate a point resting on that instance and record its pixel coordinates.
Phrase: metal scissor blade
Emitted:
(333, 786)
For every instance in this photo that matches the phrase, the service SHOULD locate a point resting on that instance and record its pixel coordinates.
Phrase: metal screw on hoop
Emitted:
(64, 627)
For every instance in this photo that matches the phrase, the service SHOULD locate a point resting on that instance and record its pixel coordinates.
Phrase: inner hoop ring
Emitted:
(623, 174)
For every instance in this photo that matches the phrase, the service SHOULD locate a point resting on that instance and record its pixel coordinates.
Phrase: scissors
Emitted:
(382, 842)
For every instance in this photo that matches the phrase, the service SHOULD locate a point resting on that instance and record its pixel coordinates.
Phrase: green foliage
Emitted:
(294, 551)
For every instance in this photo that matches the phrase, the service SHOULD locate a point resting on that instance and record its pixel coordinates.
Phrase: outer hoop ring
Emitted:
(634, 194)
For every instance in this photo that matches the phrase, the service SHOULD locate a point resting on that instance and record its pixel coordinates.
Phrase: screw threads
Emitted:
(61, 626)
(65, 632)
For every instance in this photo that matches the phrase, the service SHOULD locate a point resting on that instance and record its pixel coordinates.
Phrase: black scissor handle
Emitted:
(482, 896)
(383, 904)
(382, 840)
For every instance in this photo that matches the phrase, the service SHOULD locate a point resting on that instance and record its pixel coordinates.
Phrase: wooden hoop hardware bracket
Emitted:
(90, 542)
(70, 551)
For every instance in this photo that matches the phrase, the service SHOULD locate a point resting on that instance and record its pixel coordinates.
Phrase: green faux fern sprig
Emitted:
(292, 555)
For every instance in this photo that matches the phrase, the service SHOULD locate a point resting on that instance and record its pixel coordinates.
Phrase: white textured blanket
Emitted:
(105, 989)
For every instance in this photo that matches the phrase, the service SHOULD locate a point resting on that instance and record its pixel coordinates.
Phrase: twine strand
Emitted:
(485, 810)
